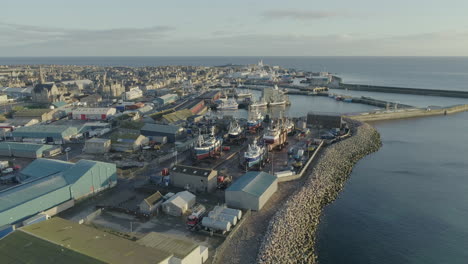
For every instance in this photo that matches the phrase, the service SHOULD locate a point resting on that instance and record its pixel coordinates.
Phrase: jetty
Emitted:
(402, 90)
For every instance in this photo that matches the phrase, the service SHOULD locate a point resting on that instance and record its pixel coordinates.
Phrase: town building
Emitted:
(127, 141)
(93, 113)
(179, 203)
(173, 133)
(132, 94)
(27, 150)
(151, 204)
(97, 146)
(324, 120)
(38, 113)
(60, 182)
(46, 93)
(165, 99)
(57, 134)
(251, 191)
(193, 178)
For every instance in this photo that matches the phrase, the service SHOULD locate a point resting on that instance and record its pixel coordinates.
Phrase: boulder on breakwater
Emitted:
(290, 237)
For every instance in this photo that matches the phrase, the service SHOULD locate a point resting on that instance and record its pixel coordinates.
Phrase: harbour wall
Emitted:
(298, 219)
(402, 90)
(408, 113)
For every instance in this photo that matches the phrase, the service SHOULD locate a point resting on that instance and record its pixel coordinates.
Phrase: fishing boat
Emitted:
(259, 104)
(207, 147)
(254, 155)
(274, 96)
(272, 134)
(229, 104)
(255, 120)
(234, 130)
(289, 125)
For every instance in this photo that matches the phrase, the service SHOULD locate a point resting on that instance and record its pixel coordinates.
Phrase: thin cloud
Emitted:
(21, 35)
(299, 14)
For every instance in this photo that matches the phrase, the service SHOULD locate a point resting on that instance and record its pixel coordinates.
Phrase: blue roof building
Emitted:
(51, 183)
(251, 191)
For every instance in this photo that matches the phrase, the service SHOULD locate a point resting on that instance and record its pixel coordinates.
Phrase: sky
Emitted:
(234, 28)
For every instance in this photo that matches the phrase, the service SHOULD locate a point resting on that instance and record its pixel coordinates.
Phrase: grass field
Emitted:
(20, 247)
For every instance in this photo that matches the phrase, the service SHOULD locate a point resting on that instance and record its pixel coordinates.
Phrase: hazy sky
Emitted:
(232, 28)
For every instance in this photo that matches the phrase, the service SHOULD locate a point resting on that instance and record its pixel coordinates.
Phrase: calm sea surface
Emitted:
(407, 203)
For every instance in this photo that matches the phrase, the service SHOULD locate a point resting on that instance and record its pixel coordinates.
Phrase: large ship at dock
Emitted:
(235, 130)
(272, 134)
(255, 120)
(254, 155)
(275, 97)
(229, 104)
(207, 147)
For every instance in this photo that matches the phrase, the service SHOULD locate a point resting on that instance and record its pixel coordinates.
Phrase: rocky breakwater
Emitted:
(290, 237)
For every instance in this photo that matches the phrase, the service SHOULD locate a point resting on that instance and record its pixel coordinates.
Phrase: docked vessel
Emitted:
(275, 96)
(272, 134)
(255, 120)
(254, 155)
(235, 130)
(259, 104)
(289, 126)
(228, 104)
(207, 147)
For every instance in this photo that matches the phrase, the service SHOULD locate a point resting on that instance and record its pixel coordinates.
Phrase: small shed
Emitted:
(196, 179)
(151, 203)
(97, 145)
(170, 131)
(179, 203)
(251, 191)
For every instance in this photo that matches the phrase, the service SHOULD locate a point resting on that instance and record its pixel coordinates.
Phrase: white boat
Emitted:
(272, 134)
(274, 96)
(234, 130)
(207, 147)
(289, 125)
(254, 155)
(255, 120)
(228, 104)
(259, 104)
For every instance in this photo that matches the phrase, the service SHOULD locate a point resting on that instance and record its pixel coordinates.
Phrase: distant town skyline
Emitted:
(236, 28)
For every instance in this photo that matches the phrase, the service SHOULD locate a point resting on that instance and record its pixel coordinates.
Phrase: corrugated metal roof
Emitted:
(44, 167)
(178, 115)
(44, 131)
(155, 197)
(161, 128)
(24, 146)
(253, 182)
(169, 244)
(25, 192)
(194, 171)
(31, 112)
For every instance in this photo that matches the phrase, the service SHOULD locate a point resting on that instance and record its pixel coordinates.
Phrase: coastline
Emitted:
(291, 231)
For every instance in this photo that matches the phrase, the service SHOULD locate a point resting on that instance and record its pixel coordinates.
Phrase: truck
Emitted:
(4, 164)
(194, 219)
(7, 170)
(223, 181)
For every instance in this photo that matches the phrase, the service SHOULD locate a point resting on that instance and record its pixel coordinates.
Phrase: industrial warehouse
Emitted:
(251, 191)
(53, 183)
(28, 150)
(56, 134)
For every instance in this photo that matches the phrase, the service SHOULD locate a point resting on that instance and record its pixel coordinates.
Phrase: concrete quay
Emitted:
(408, 113)
(402, 90)
(290, 236)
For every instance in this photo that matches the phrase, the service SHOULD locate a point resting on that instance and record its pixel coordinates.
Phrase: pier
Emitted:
(403, 90)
